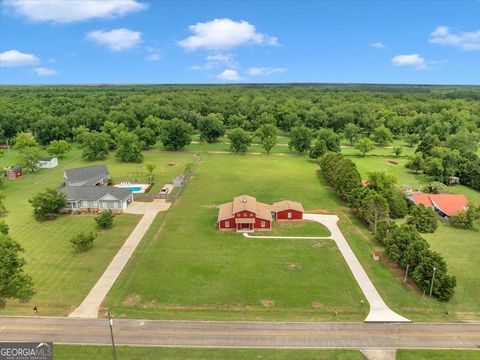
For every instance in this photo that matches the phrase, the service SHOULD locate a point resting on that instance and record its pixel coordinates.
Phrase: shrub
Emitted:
(465, 219)
(3, 227)
(83, 241)
(105, 220)
(423, 218)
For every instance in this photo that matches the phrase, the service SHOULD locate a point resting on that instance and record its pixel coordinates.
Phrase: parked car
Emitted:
(164, 190)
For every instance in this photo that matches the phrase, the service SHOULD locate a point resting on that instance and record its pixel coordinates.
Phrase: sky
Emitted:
(152, 41)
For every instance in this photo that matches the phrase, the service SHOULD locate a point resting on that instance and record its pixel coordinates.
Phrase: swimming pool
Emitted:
(135, 188)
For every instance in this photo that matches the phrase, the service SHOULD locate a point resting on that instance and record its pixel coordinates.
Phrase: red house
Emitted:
(444, 204)
(14, 172)
(246, 214)
(288, 210)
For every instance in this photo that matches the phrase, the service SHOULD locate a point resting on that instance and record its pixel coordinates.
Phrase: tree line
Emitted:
(376, 201)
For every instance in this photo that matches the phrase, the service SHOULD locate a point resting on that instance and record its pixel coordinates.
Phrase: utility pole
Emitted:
(406, 274)
(110, 323)
(433, 277)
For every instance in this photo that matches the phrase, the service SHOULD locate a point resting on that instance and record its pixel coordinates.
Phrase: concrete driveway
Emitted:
(91, 304)
(379, 311)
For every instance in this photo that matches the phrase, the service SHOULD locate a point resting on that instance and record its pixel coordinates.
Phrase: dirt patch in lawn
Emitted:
(131, 300)
(317, 305)
(268, 303)
(294, 267)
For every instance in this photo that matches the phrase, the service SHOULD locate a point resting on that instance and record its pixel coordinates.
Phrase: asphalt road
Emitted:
(242, 334)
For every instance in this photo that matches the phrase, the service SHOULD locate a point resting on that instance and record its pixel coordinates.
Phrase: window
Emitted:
(262, 224)
(104, 205)
(289, 215)
(227, 223)
(115, 205)
(95, 204)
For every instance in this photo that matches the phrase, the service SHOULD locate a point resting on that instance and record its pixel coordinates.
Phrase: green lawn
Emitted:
(62, 279)
(189, 269)
(438, 354)
(301, 228)
(77, 352)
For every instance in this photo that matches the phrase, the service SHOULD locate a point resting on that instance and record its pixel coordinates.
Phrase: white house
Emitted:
(47, 162)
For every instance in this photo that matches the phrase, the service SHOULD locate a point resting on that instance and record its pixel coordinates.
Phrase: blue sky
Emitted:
(141, 41)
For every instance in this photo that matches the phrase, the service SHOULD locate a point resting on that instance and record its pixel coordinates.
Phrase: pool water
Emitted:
(133, 188)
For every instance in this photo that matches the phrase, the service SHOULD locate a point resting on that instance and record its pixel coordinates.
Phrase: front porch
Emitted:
(245, 225)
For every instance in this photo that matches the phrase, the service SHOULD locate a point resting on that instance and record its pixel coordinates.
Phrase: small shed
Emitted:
(14, 172)
(179, 181)
(47, 162)
(453, 180)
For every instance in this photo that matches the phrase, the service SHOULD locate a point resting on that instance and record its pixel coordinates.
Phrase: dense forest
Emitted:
(442, 122)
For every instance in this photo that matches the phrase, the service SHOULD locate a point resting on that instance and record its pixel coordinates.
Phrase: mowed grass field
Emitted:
(61, 278)
(76, 352)
(189, 269)
(461, 248)
(186, 269)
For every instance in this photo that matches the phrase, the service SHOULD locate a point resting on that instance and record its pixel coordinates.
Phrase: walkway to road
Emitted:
(242, 334)
(379, 311)
(90, 306)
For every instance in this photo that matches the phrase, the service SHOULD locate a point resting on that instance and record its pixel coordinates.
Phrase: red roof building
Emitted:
(445, 204)
(246, 214)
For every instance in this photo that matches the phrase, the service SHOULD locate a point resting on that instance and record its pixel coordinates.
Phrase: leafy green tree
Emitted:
(50, 128)
(58, 148)
(153, 123)
(14, 282)
(95, 146)
(435, 187)
(300, 138)
(331, 139)
(464, 141)
(423, 218)
(412, 139)
(397, 150)
(47, 204)
(465, 219)
(29, 157)
(176, 134)
(146, 136)
(24, 140)
(267, 134)
(385, 231)
(79, 133)
(211, 127)
(3, 209)
(427, 144)
(150, 169)
(105, 219)
(318, 149)
(3, 227)
(240, 140)
(382, 135)
(374, 209)
(416, 162)
(351, 132)
(397, 204)
(129, 147)
(364, 145)
(83, 241)
(381, 181)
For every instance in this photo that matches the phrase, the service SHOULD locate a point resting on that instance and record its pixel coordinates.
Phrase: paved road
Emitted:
(91, 304)
(379, 311)
(241, 334)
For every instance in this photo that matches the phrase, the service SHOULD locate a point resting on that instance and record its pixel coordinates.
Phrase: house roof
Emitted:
(15, 168)
(47, 158)
(288, 205)
(86, 176)
(225, 211)
(449, 204)
(244, 202)
(95, 193)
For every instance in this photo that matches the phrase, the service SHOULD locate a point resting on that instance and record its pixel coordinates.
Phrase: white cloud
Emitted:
(229, 75)
(221, 34)
(463, 40)
(414, 60)
(378, 45)
(43, 71)
(15, 58)
(116, 39)
(61, 11)
(217, 60)
(153, 57)
(264, 71)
